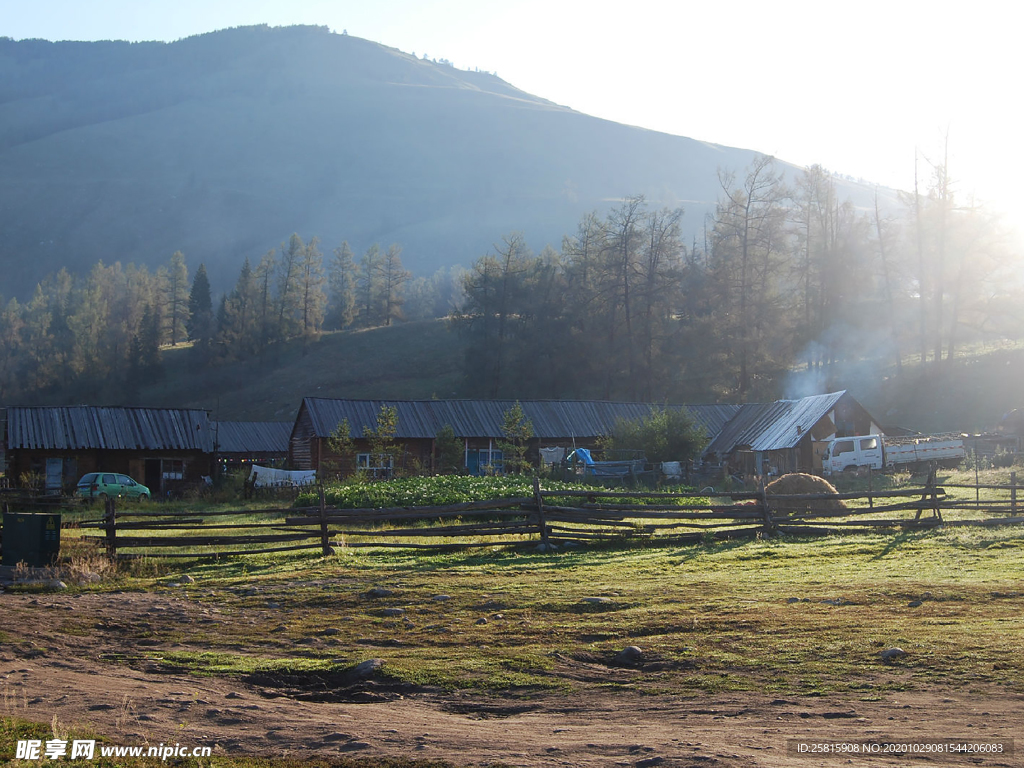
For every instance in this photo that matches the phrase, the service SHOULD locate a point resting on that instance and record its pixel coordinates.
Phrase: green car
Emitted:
(100, 485)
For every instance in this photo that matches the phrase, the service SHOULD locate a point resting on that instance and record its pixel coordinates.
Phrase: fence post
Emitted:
(1013, 494)
(924, 497)
(111, 525)
(325, 541)
(871, 490)
(932, 481)
(977, 481)
(769, 523)
(541, 522)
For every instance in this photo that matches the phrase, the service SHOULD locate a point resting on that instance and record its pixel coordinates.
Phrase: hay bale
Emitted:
(800, 483)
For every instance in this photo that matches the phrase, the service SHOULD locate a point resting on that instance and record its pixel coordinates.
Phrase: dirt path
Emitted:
(94, 679)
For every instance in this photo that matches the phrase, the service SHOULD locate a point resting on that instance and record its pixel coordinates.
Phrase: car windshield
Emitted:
(88, 479)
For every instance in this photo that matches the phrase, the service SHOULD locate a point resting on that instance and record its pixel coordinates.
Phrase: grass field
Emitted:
(789, 614)
(785, 616)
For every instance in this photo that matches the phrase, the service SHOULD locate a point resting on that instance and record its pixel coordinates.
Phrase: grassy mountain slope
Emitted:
(418, 360)
(222, 145)
(970, 394)
(423, 360)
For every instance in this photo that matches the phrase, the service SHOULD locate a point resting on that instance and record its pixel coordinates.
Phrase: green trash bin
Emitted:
(31, 538)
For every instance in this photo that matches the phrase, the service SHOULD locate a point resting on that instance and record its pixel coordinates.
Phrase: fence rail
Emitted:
(547, 517)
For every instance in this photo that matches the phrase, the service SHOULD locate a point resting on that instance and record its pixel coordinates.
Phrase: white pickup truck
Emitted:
(881, 452)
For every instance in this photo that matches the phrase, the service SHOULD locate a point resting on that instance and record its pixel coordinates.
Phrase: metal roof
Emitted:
(773, 426)
(252, 437)
(83, 427)
(712, 417)
(551, 419)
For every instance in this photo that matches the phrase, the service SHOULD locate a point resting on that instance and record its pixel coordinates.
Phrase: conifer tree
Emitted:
(393, 277)
(200, 310)
(239, 330)
(289, 287)
(313, 300)
(263, 278)
(342, 273)
(369, 293)
(176, 296)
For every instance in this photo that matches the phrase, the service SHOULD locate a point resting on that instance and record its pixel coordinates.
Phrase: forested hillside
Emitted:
(791, 291)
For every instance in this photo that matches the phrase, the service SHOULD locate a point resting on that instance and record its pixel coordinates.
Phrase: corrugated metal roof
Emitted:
(773, 426)
(551, 419)
(252, 437)
(713, 417)
(83, 427)
(744, 423)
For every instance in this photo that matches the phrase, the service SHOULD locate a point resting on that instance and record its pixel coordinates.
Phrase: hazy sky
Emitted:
(856, 86)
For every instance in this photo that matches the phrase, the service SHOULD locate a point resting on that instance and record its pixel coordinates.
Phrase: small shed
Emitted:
(787, 435)
(51, 447)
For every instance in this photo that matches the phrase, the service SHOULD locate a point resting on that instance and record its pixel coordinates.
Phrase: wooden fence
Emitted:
(548, 518)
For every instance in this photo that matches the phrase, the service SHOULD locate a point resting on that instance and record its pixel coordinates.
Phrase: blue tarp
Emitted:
(584, 456)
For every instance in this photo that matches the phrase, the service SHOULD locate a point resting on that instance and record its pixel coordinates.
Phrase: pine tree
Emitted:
(392, 280)
(289, 287)
(176, 298)
(341, 310)
(200, 310)
(313, 300)
(517, 430)
(368, 287)
(239, 331)
(263, 278)
(11, 324)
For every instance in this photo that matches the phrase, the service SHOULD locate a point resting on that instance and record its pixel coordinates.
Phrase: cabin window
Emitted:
(173, 469)
(869, 444)
(377, 465)
(374, 461)
(491, 461)
(842, 446)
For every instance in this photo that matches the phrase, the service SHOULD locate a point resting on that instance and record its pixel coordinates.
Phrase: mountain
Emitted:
(222, 145)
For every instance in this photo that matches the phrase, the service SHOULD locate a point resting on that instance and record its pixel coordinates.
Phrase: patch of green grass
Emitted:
(807, 616)
(415, 360)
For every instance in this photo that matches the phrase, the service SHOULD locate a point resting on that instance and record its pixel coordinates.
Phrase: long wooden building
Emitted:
(163, 448)
(557, 424)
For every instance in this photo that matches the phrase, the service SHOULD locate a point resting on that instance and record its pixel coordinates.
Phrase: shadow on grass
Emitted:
(712, 548)
(906, 537)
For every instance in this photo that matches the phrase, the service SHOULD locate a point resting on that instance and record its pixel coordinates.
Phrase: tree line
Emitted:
(103, 333)
(786, 278)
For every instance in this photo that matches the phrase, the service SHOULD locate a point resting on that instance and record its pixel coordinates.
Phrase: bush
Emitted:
(1003, 459)
(449, 450)
(663, 435)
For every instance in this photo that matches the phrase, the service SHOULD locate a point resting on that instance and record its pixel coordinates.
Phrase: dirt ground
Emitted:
(104, 680)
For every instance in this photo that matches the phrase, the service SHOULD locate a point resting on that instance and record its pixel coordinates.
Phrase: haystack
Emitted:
(800, 483)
